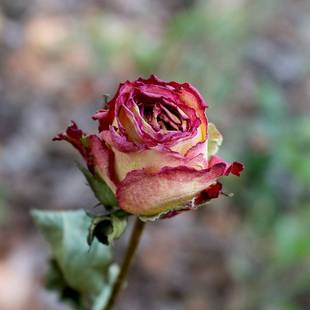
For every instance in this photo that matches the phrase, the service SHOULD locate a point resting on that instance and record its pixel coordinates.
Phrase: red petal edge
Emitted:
(148, 194)
(73, 135)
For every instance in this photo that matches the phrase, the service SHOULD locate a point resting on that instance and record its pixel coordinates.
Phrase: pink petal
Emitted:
(192, 98)
(119, 141)
(107, 116)
(148, 194)
(152, 160)
(101, 160)
(183, 145)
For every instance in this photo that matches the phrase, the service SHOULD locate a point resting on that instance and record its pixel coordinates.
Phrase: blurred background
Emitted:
(250, 59)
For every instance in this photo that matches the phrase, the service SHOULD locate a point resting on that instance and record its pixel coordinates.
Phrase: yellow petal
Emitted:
(215, 139)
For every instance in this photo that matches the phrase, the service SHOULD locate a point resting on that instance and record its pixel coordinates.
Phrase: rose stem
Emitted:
(132, 247)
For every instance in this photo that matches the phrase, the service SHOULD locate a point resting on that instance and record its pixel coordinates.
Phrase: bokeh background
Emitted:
(250, 59)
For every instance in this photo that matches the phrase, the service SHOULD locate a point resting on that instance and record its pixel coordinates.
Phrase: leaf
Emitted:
(76, 268)
(54, 280)
(102, 299)
(101, 190)
(107, 228)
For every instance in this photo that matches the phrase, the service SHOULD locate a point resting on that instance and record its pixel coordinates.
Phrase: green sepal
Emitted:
(100, 189)
(107, 228)
(84, 140)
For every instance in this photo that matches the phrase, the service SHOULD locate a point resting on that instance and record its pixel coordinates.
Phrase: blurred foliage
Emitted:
(4, 212)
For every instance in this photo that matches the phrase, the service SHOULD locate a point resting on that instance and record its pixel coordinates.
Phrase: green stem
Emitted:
(133, 244)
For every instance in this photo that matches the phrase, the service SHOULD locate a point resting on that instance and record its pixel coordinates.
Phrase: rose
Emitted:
(155, 148)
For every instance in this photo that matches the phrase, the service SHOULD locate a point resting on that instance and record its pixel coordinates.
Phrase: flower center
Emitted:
(163, 117)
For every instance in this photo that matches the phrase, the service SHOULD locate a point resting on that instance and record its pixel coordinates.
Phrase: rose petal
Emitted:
(171, 116)
(120, 142)
(127, 120)
(213, 191)
(199, 148)
(215, 139)
(184, 145)
(192, 98)
(148, 194)
(101, 160)
(73, 135)
(107, 116)
(152, 160)
(235, 167)
(146, 128)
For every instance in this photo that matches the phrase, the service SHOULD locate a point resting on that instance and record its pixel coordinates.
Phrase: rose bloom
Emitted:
(155, 148)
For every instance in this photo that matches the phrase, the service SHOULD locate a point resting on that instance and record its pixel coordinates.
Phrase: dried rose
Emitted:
(155, 149)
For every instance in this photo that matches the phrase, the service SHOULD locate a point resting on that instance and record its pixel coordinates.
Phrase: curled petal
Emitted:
(153, 79)
(118, 141)
(105, 117)
(199, 148)
(184, 145)
(156, 88)
(235, 167)
(148, 194)
(191, 97)
(213, 191)
(129, 123)
(192, 136)
(157, 91)
(73, 135)
(146, 128)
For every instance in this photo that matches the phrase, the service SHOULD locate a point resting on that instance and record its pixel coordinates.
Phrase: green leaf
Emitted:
(54, 280)
(101, 190)
(76, 269)
(103, 298)
(107, 228)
